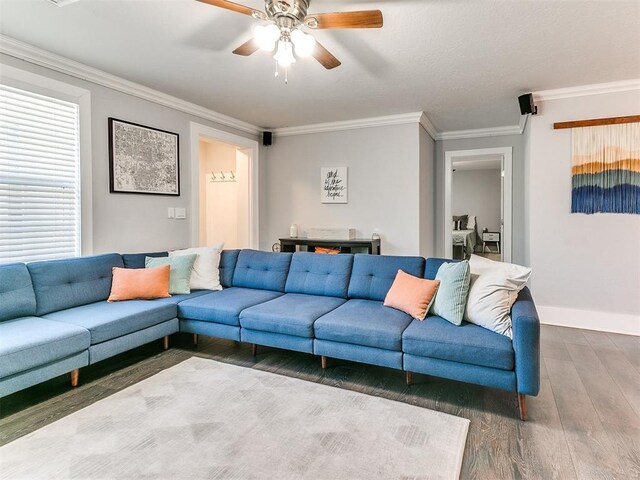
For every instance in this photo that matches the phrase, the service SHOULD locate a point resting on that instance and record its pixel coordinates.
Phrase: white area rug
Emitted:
(203, 419)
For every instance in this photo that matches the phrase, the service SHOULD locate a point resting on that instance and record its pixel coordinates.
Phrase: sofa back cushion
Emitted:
(228, 260)
(17, 298)
(61, 284)
(316, 274)
(137, 260)
(432, 266)
(262, 270)
(373, 275)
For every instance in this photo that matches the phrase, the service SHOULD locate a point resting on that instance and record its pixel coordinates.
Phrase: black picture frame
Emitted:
(115, 184)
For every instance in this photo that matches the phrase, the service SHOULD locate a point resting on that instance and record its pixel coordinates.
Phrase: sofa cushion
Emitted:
(31, 342)
(61, 284)
(228, 260)
(137, 260)
(17, 298)
(262, 270)
(290, 314)
(435, 337)
(373, 275)
(315, 274)
(176, 299)
(433, 265)
(364, 322)
(106, 321)
(223, 306)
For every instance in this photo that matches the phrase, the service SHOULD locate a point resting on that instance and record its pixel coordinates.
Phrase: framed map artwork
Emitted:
(143, 159)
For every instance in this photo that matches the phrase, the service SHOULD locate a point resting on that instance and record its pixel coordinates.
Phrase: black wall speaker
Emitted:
(267, 138)
(526, 104)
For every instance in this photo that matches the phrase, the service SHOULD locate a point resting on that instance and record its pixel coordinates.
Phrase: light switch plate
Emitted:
(181, 213)
(171, 213)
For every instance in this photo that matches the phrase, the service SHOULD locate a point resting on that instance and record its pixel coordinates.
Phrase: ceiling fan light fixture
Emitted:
(266, 36)
(303, 43)
(284, 55)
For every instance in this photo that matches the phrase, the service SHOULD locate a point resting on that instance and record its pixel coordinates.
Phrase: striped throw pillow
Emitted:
(451, 298)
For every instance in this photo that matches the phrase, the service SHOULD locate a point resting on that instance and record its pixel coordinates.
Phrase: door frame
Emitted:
(251, 146)
(506, 239)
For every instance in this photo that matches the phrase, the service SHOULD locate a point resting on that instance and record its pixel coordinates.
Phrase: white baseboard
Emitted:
(625, 323)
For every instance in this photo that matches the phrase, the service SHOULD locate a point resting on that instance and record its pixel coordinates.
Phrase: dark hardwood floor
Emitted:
(584, 424)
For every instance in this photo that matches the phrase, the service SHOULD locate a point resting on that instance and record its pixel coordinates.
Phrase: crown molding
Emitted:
(401, 119)
(584, 90)
(481, 132)
(29, 53)
(428, 126)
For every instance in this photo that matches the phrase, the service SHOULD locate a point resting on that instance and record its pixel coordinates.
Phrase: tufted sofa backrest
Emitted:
(373, 275)
(262, 270)
(315, 274)
(228, 261)
(137, 260)
(16, 292)
(433, 264)
(61, 284)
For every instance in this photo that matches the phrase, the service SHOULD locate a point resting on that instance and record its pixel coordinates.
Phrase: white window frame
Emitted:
(25, 80)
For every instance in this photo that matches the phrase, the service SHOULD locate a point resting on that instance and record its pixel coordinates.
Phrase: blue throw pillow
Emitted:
(451, 298)
(180, 271)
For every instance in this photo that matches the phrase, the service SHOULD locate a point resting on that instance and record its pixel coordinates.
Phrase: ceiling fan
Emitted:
(284, 35)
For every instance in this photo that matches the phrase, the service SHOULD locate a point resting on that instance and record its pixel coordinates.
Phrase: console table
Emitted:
(358, 245)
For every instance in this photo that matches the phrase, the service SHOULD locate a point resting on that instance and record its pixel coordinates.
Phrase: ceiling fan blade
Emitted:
(236, 7)
(326, 59)
(248, 48)
(361, 19)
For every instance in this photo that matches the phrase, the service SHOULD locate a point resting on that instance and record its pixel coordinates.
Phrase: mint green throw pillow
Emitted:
(180, 269)
(451, 298)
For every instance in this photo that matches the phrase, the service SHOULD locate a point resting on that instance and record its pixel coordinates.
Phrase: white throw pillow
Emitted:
(493, 291)
(471, 224)
(205, 274)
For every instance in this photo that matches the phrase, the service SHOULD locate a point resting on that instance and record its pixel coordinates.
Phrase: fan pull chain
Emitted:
(286, 75)
(277, 72)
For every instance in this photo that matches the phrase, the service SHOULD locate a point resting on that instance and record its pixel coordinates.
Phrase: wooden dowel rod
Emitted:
(596, 122)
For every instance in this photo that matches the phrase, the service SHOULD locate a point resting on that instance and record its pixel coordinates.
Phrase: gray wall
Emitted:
(515, 141)
(584, 262)
(427, 194)
(477, 192)
(384, 183)
(126, 222)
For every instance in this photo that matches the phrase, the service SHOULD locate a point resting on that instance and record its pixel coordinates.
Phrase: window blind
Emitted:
(39, 177)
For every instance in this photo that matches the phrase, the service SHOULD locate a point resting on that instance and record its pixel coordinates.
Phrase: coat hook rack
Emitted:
(222, 177)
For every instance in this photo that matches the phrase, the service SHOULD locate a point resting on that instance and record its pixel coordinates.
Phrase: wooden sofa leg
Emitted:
(254, 349)
(165, 342)
(74, 377)
(195, 339)
(323, 361)
(409, 377)
(522, 405)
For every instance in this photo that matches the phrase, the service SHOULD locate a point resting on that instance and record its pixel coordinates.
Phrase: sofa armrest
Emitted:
(526, 343)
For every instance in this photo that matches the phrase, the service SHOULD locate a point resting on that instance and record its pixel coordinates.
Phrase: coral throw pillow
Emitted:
(139, 283)
(412, 295)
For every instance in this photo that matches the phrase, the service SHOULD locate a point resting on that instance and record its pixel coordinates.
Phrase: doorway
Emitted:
(478, 203)
(224, 197)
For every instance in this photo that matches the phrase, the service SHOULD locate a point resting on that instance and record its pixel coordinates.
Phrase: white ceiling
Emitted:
(462, 62)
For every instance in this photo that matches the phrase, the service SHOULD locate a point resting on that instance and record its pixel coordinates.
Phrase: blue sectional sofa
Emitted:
(54, 318)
